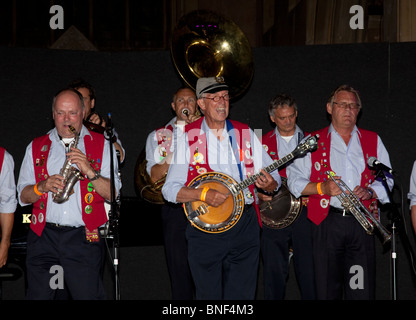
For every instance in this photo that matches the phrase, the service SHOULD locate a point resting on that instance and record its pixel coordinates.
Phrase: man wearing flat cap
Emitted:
(224, 264)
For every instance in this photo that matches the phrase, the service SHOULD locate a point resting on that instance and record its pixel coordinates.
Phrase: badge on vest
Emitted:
(90, 187)
(201, 170)
(89, 198)
(92, 236)
(40, 162)
(198, 157)
(162, 153)
(324, 203)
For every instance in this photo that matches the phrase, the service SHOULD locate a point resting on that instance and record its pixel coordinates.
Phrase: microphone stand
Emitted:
(396, 218)
(113, 216)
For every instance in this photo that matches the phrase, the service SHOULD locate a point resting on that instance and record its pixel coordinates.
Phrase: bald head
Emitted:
(68, 110)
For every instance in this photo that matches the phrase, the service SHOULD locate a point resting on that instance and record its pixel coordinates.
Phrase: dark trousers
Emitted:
(176, 250)
(344, 256)
(275, 245)
(225, 265)
(64, 251)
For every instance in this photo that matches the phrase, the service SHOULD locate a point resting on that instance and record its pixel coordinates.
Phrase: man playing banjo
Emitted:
(295, 232)
(224, 264)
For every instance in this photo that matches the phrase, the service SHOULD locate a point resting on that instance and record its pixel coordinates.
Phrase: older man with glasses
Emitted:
(224, 264)
(344, 253)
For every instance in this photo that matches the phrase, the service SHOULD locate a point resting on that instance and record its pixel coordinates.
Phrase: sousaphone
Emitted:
(204, 44)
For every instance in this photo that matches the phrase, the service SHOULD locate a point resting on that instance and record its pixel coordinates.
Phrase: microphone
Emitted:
(108, 133)
(109, 123)
(374, 163)
(186, 112)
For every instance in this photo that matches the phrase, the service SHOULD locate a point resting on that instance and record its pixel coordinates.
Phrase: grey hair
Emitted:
(344, 87)
(281, 100)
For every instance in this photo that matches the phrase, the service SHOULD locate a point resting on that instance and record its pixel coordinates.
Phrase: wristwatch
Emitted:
(96, 176)
(270, 193)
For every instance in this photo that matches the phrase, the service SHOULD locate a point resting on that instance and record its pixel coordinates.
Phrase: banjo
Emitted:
(219, 219)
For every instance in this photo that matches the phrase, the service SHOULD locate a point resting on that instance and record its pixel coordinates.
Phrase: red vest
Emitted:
(93, 211)
(2, 152)
(318, 206)
(164, 138)
(198, 163)
(269, 140)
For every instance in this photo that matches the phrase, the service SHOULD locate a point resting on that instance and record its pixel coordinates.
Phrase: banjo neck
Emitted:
(276, 164)
(310, 144)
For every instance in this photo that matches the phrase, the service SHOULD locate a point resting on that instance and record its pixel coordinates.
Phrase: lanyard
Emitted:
(234, 145)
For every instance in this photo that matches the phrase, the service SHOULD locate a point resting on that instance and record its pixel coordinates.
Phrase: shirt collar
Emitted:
(276, 132)
(171, 122)
(354, 130)
(206, 129)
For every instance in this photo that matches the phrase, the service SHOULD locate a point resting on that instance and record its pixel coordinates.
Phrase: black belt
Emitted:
(247, 206)
(59, 226)
(339, 211)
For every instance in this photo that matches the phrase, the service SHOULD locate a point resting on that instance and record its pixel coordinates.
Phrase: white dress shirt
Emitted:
(8, 201)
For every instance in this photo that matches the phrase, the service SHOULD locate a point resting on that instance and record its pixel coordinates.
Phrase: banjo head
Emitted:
(282, 210)
(215, 219)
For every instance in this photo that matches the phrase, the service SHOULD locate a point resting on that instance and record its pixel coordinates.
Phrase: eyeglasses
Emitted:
(226, 97)
(344, 105)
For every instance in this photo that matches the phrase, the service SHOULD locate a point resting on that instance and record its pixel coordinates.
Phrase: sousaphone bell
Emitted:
(205, 44)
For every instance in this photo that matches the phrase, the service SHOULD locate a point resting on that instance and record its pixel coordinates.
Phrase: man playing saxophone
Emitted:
(340, 244)
(64, 236)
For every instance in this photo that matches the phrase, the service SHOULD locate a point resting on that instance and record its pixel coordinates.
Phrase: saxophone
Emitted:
(71, 174)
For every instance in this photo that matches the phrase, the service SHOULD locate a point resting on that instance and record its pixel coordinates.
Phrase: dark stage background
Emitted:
(136, 88)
